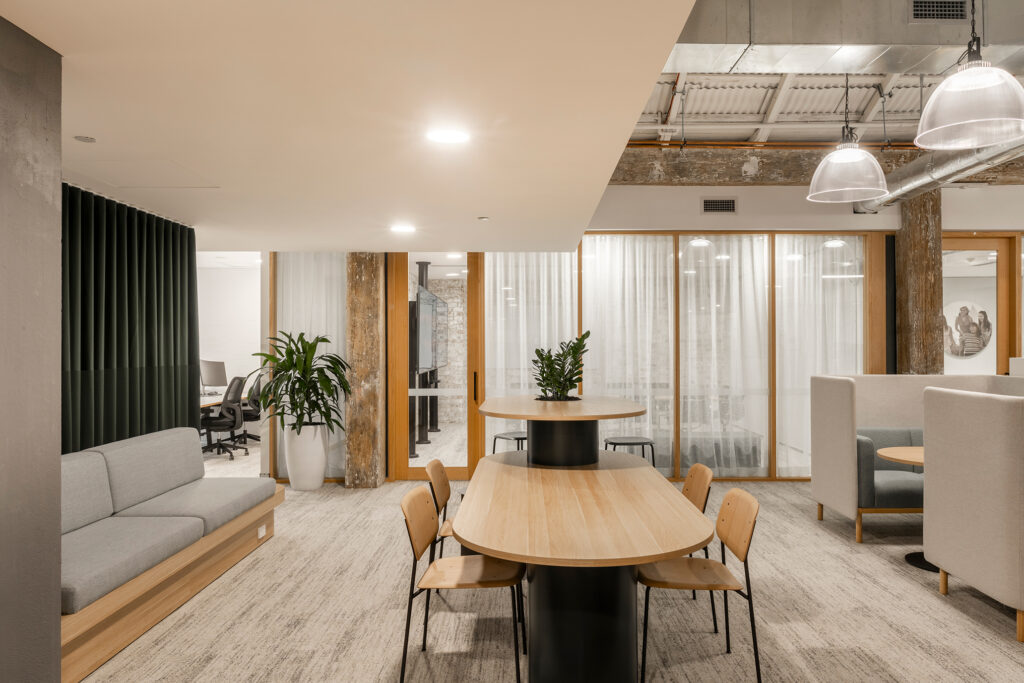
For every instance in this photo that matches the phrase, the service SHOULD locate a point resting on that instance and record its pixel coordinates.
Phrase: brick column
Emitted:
(919, 286)
(365, 350)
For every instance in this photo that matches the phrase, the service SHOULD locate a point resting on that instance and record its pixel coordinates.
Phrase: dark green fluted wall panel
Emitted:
(130, 324)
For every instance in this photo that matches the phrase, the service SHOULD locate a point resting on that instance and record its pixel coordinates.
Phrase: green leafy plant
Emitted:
(303, 387)
(558, 373)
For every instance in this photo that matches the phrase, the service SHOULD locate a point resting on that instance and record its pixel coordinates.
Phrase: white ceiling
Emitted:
(297, 126)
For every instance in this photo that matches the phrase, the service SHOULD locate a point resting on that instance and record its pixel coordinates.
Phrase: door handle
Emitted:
(474, 387)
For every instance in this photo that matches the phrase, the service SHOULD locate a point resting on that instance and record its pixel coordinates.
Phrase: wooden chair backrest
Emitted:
(438, 477)
(698, 485)
(420, 519)
(736, 519)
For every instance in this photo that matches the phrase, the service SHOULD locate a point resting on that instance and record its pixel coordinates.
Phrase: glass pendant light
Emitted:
(849, 174)
(978, 106)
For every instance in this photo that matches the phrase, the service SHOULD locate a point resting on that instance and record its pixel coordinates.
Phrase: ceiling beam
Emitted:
(774, 107)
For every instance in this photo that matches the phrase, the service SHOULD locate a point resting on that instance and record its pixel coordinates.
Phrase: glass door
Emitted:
(976, 305)
(433, 384)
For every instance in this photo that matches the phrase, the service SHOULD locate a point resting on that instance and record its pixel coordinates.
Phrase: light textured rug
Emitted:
(325, 601)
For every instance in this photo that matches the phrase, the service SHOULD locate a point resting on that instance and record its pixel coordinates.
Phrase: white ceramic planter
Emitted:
(306, 457)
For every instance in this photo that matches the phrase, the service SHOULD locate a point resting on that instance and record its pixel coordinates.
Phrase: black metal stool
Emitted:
(518, 437)
(625, 441)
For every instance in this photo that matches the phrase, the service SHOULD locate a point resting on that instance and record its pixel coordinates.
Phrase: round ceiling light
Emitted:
(85, 138)
(448, 136)
(848, 174)
(403, 227)
(700, 242)
(978, 106)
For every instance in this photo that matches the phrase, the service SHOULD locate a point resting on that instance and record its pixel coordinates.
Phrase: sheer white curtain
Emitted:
(530, 302)
(311, 298)
(724, 353)
(819, 331)
(628, 284)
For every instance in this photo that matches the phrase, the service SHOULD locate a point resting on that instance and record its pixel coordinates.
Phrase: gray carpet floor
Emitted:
(325, 601)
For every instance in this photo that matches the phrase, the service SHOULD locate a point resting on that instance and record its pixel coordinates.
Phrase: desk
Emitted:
(581, 530)
(210, 401)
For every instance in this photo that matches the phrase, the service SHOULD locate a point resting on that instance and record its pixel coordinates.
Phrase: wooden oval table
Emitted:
(581, 531)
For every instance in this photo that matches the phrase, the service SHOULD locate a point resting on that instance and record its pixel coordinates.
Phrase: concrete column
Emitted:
(30, 311)
(365, 349)
(919, 286)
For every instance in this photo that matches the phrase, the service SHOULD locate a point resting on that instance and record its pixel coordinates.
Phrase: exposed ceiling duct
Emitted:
(935, 169)
(844, 36)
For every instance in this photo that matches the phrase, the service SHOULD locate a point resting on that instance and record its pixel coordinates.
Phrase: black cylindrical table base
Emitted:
(582, 624)
(561, 444)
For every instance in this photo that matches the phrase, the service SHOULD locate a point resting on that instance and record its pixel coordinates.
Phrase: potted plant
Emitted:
(560, 372)
(305, 390)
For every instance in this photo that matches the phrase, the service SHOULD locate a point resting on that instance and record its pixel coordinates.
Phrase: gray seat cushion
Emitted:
(99, 557)
(146, 466)
(214, 500)
(899, 489)
(84, 490)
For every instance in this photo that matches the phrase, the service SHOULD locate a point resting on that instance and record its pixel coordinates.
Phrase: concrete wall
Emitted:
(30, 294)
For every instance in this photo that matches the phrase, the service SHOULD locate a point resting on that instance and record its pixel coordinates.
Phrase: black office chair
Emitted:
(251, 410)
(229, 419)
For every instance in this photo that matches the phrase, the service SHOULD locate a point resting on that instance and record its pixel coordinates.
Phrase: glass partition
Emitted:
(628, 283)
(530, 302)
(724, 353)
(819, 313)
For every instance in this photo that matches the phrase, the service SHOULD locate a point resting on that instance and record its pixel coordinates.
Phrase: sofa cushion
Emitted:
(215, 500)
(145, 466)
(898, 489)
(84, 490)
(101, 556)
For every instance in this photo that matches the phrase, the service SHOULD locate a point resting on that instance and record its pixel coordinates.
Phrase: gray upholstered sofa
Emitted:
(888, 409)
(142, 507)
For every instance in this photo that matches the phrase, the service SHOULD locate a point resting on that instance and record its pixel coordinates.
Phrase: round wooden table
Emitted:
(909, 455)
(581, 529)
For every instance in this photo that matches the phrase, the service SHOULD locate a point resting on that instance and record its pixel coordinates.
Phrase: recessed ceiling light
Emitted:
(483, 218)
(453, 255)
(834, 244)
(403, 227)
(448, 136)
(85, 138)
(700, 242)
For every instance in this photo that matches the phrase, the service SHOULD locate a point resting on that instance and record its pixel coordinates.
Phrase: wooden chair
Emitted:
(735, 527)
(452, 573)
(441, 489)
(697, 488)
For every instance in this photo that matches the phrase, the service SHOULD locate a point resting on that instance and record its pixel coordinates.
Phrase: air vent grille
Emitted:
(719, 206)
(939, 10)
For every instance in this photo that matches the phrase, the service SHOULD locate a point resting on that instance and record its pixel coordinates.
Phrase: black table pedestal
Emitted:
(561, 444)
(582, 624)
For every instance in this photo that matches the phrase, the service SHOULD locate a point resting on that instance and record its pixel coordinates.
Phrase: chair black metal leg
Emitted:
(408, 621)
(714, 617)
(643, 656)
(725, 608)
(426, 616)
(522, 614)
(494, 446)
(515, 631)
(753, 627)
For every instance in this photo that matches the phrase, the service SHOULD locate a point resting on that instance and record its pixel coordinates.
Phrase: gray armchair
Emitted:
(884, 485)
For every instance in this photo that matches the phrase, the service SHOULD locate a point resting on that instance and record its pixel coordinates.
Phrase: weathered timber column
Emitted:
(365, 346)
(919, 286)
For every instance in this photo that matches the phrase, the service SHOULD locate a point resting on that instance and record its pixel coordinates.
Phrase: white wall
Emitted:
(990, 208)
(654, 207)
(229, 314)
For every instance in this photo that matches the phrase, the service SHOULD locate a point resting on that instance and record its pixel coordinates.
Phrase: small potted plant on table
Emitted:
(560, 372)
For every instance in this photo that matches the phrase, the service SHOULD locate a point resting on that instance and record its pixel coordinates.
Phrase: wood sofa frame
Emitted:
(93, 635)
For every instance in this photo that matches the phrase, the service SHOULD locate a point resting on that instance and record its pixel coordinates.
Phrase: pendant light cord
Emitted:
(973, 51)
(848, 134)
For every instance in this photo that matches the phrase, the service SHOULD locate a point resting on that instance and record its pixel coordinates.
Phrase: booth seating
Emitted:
(974, 510)
(844, 469)
(142, 531)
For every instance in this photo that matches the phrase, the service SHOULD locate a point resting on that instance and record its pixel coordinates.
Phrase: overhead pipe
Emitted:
(935, 169)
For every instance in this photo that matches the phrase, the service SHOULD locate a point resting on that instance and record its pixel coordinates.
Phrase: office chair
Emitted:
(229, 419)
(251, 410)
